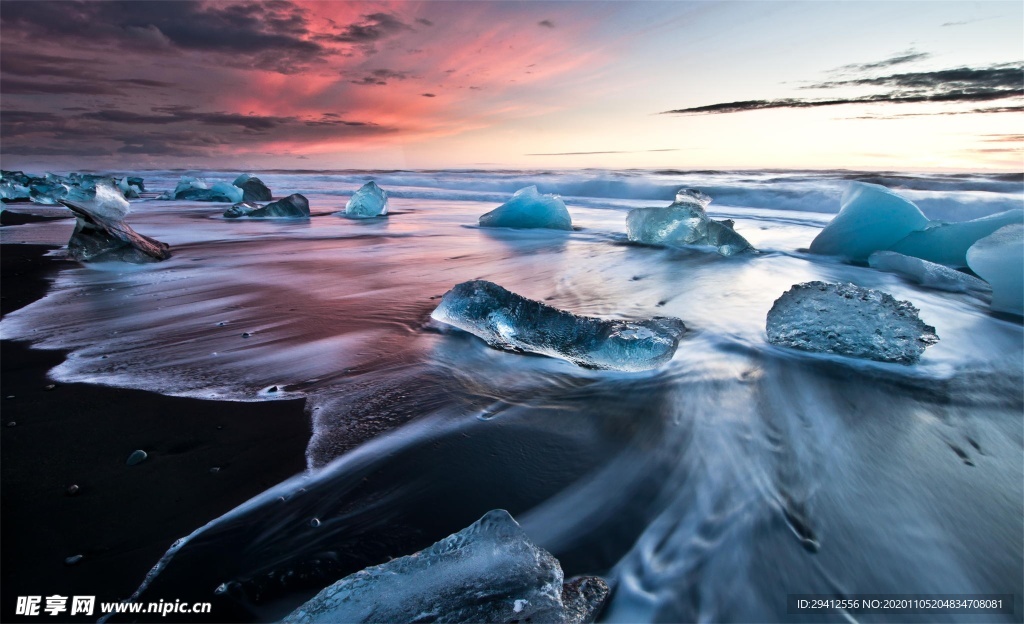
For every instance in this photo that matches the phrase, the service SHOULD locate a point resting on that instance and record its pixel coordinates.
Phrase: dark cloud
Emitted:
(546, 23)
(379, 77)
(260, 35)
(424, 21)
(373, 28)
(963, 84)
(973, 111)
(908, 57)
(166, 131)
(20, 86)
(428, 95)
(1004, 138)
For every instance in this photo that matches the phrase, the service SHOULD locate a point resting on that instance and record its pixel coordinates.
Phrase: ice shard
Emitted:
(487, 572)
(947, 243)
(872, 218)
(253, 189)
(369, 201)
(529, 209)
(845, 319)
(927, 274)
(511, 322)
(101, 234)
(137, 182)
(999, 260)
(685, 222)
(292, 207)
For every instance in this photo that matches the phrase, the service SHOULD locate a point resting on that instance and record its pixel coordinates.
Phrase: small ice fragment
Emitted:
(73, 559)
(369, 201)
(511, 322)
(294, 206)
(947, 243)
(137, 182)
(999, 260)
(137, 457)
(253, 189)
(529, 209)
(73, 490)
(927, 274)
(315, 522)
(466, 577)
(849, 320)
(872, 218)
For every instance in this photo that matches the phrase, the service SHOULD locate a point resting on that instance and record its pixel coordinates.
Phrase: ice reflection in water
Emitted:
(707, 490)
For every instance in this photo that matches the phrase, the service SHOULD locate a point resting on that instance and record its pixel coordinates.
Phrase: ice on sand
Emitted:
(196, 189)
(685, 222)
(999, 260)
(845, 319)
(511, 322)
(101, 234)
(927, 274)
(872, 218)
(294, 206)
(369, 201)
(529, 209)
(487, 572)
(253, 189)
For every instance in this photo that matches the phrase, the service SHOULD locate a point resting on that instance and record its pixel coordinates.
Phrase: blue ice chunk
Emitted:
(487, 572)
(947, 243)
(511, 322)
(925, 273)
(684, 223)
(872, 218)
(369, 201)
(845, 319)
(999, 260)
(529, 209)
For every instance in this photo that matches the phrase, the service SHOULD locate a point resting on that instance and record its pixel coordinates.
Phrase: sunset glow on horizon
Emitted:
(332, 85)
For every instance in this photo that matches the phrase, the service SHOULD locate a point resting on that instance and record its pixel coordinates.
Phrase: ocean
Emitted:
(709, 489)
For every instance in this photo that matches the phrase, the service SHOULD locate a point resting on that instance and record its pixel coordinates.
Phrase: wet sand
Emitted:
(123, 518)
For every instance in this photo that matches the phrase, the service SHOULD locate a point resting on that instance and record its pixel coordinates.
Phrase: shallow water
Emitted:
(706, 490)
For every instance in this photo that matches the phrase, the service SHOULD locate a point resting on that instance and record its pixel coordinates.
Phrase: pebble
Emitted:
(215, 470)
(315, 522)
(246, 334)
(11, 424)
(72, 560)
(137, 457)
(49, 387)
(73, 489)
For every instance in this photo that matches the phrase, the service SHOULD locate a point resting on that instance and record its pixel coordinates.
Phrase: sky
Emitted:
(284, 84)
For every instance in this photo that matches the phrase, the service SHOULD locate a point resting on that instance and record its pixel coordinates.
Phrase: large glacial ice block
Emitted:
(947, 243)
(369, 201)
(487, 572)
(511, 322)
(999, 260)
(927, 274)
(294, 206)
(845, 319)
(871, 218)
(101, 234)
(684, 223)
(253, 189)
(529, 209)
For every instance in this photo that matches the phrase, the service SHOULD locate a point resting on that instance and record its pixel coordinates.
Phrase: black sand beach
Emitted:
(123, 518)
